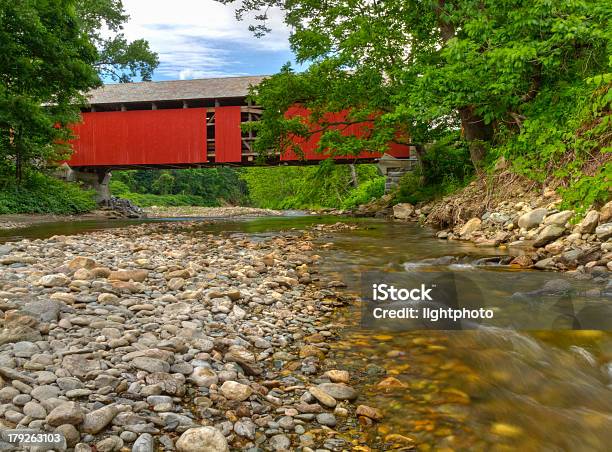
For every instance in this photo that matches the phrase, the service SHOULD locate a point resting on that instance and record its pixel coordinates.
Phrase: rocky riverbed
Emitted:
(163, 337)
(529, 224)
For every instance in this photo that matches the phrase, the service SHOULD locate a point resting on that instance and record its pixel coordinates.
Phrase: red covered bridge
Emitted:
(180, 124)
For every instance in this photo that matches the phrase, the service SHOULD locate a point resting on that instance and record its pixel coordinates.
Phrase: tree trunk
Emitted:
(354, 180)
(18, 159)
(477, 134)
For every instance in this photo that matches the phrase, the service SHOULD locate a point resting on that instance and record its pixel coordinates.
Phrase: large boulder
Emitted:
(202, 439)
(533, 218)
(548, 234)
(403, 211)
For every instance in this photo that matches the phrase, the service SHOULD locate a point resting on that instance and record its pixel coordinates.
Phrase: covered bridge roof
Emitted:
(206, 88)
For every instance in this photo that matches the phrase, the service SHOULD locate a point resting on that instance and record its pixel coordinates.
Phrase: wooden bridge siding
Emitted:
(228, 135)
(309, 146)
(140, 137)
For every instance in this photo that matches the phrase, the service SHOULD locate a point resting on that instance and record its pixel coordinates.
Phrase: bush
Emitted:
(366, 192)
(40, 193)
(444, 168)
(120, 189)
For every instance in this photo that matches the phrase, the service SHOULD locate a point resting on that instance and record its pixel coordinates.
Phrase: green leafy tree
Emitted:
(51, 52)
(118, 59)
(424, 67)
(46, 63)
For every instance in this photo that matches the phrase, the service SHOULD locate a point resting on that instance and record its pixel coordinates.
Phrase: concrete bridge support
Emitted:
(97, 179)
(393, 169)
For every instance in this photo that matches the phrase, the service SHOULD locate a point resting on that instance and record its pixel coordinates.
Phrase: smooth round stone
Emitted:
(129, 437)
(286, 422)
(327, 419)
(21, 399)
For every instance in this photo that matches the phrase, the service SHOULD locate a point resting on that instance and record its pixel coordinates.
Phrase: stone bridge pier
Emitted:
(97, 179)
(393, 169)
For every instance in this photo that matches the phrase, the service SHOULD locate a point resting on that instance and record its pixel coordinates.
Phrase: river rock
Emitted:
(589, 222)
(81, 263)
(604, 231)
(327, 419)
(548, 234)
(71, 434)
(337, 376)
(55, 280)
(323, 397)
(279, 443)
(150, 365)
(236, 391)
(246, 428)
(367, 411)
(66, 413)
(129, 275)
(144, 443)
(472, 225)
(96, 420)
(43, 310)
(403, 211)
(204, 376)
(202, 439)
(605, 213)
(559, 218)
(338, 391)
(533, 218)
(110, 444)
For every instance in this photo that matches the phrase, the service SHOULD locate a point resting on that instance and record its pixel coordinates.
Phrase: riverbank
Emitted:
(208, 212)
(16, 221)
(160, 334)
(526, 220)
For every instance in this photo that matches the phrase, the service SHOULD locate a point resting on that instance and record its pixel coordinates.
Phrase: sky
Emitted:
(202, 38)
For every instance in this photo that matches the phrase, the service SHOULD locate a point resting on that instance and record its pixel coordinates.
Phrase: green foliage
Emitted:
(589, 190)
(570, 129)
(445, 167)
(52, 52)
(40, 193)
(198, 187)
(424, 67)
(118, 59)
(310, 187)
(46, 63)
(364, 193)
(511, 75)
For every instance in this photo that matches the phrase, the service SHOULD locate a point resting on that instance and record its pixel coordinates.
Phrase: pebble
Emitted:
(122, 328)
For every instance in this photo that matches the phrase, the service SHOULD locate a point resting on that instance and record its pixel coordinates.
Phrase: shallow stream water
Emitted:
(489, 389)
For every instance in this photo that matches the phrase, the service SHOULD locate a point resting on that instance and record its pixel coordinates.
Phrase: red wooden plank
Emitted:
(140, 137)
(228, 141)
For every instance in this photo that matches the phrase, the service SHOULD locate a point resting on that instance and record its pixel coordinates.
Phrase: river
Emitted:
(490, 389)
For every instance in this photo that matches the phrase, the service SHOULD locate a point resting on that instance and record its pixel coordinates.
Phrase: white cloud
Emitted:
(194, 38)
